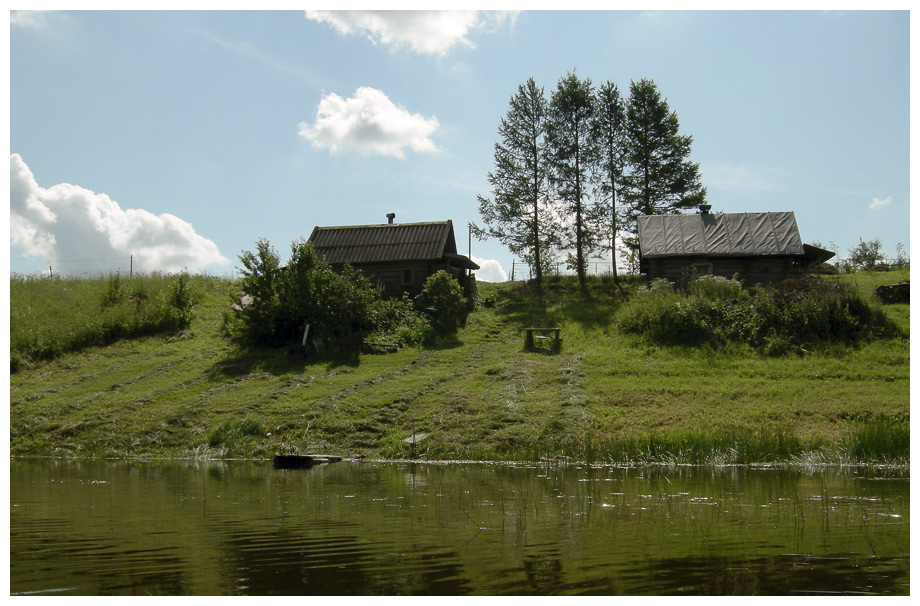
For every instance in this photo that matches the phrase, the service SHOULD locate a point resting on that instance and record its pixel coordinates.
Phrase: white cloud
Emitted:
(741, 178)
(876, 203)
(489, 270)
(368, 123)
(424, 32)
(69, 223)
(33, 19)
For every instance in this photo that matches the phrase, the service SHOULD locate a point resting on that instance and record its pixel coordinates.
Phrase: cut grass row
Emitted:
(607, 397)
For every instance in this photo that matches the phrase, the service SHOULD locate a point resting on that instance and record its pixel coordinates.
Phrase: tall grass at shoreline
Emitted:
(50, 317)
(880, 442)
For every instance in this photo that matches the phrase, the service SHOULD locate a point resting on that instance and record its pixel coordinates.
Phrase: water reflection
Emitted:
(121, 528)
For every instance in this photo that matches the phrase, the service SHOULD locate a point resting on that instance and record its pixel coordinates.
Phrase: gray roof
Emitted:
(720, 235)
(388, 243)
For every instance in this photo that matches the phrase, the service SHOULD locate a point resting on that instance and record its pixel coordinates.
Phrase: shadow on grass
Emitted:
(295, 359)
(563, 302)
(280, 361)
(543, 351)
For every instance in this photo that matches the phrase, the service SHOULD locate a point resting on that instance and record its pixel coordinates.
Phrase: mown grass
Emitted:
(607, 396)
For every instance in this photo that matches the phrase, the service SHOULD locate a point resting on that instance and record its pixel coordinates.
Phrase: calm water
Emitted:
(84, 527)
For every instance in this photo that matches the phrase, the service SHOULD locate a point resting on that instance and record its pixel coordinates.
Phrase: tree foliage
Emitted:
(256, 318)
(444, 302)
(576, 172)
(518, 214)
(866, 255)
(609, 134)
(660, 179)
(572, 154)
(280, 301)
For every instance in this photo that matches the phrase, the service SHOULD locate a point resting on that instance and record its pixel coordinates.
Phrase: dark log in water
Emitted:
(303, 461)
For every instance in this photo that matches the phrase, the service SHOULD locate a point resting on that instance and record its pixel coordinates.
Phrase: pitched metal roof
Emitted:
(387, 243)
(721, 234)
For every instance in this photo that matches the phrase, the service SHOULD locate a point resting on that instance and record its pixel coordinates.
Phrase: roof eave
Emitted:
(462, 260)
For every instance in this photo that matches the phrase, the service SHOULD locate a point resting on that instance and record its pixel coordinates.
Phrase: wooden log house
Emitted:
(399, 257)
(758, 248)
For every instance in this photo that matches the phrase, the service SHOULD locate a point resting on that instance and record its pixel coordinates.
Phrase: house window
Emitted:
(406, 277)
(702, 269)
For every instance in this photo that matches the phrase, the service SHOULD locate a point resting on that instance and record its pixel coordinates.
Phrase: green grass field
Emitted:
(605, 397)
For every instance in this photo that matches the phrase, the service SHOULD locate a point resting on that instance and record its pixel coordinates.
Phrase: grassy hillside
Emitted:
(607, 396)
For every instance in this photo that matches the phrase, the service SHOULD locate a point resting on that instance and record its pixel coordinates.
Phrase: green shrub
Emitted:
(718, 311)
(182, 299)
(656, 285)
(283, 300)
(397, 321)
(115, 292)
(814, 311)
(255, 321)
(443, 300)
(16, 362)
(716, 288)
(664, 316)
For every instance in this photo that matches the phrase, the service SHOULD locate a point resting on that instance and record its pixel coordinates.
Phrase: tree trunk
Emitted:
(613, 229)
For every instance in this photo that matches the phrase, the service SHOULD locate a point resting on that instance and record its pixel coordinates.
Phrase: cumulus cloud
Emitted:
(69, 223)
(424, 32)
(368, 123)
(489, 270)
(877, 204)
(29, 19)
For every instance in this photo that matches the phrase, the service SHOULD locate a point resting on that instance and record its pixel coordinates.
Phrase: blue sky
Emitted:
(180, 138)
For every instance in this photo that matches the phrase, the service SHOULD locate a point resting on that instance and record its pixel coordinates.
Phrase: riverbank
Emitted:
(605, 397)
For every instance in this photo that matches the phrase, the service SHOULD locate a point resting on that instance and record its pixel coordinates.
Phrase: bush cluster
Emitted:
(714, 310)
(397, 321)
(51, 317)
(443, 301)
(279, 301)
(435, 315)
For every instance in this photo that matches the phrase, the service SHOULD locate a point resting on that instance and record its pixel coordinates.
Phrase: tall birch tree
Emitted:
(660, 177)
(609, 129)
(571, 155)
(519, 214)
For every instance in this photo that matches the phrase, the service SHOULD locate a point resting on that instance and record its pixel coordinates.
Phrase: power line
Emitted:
(70, 260)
